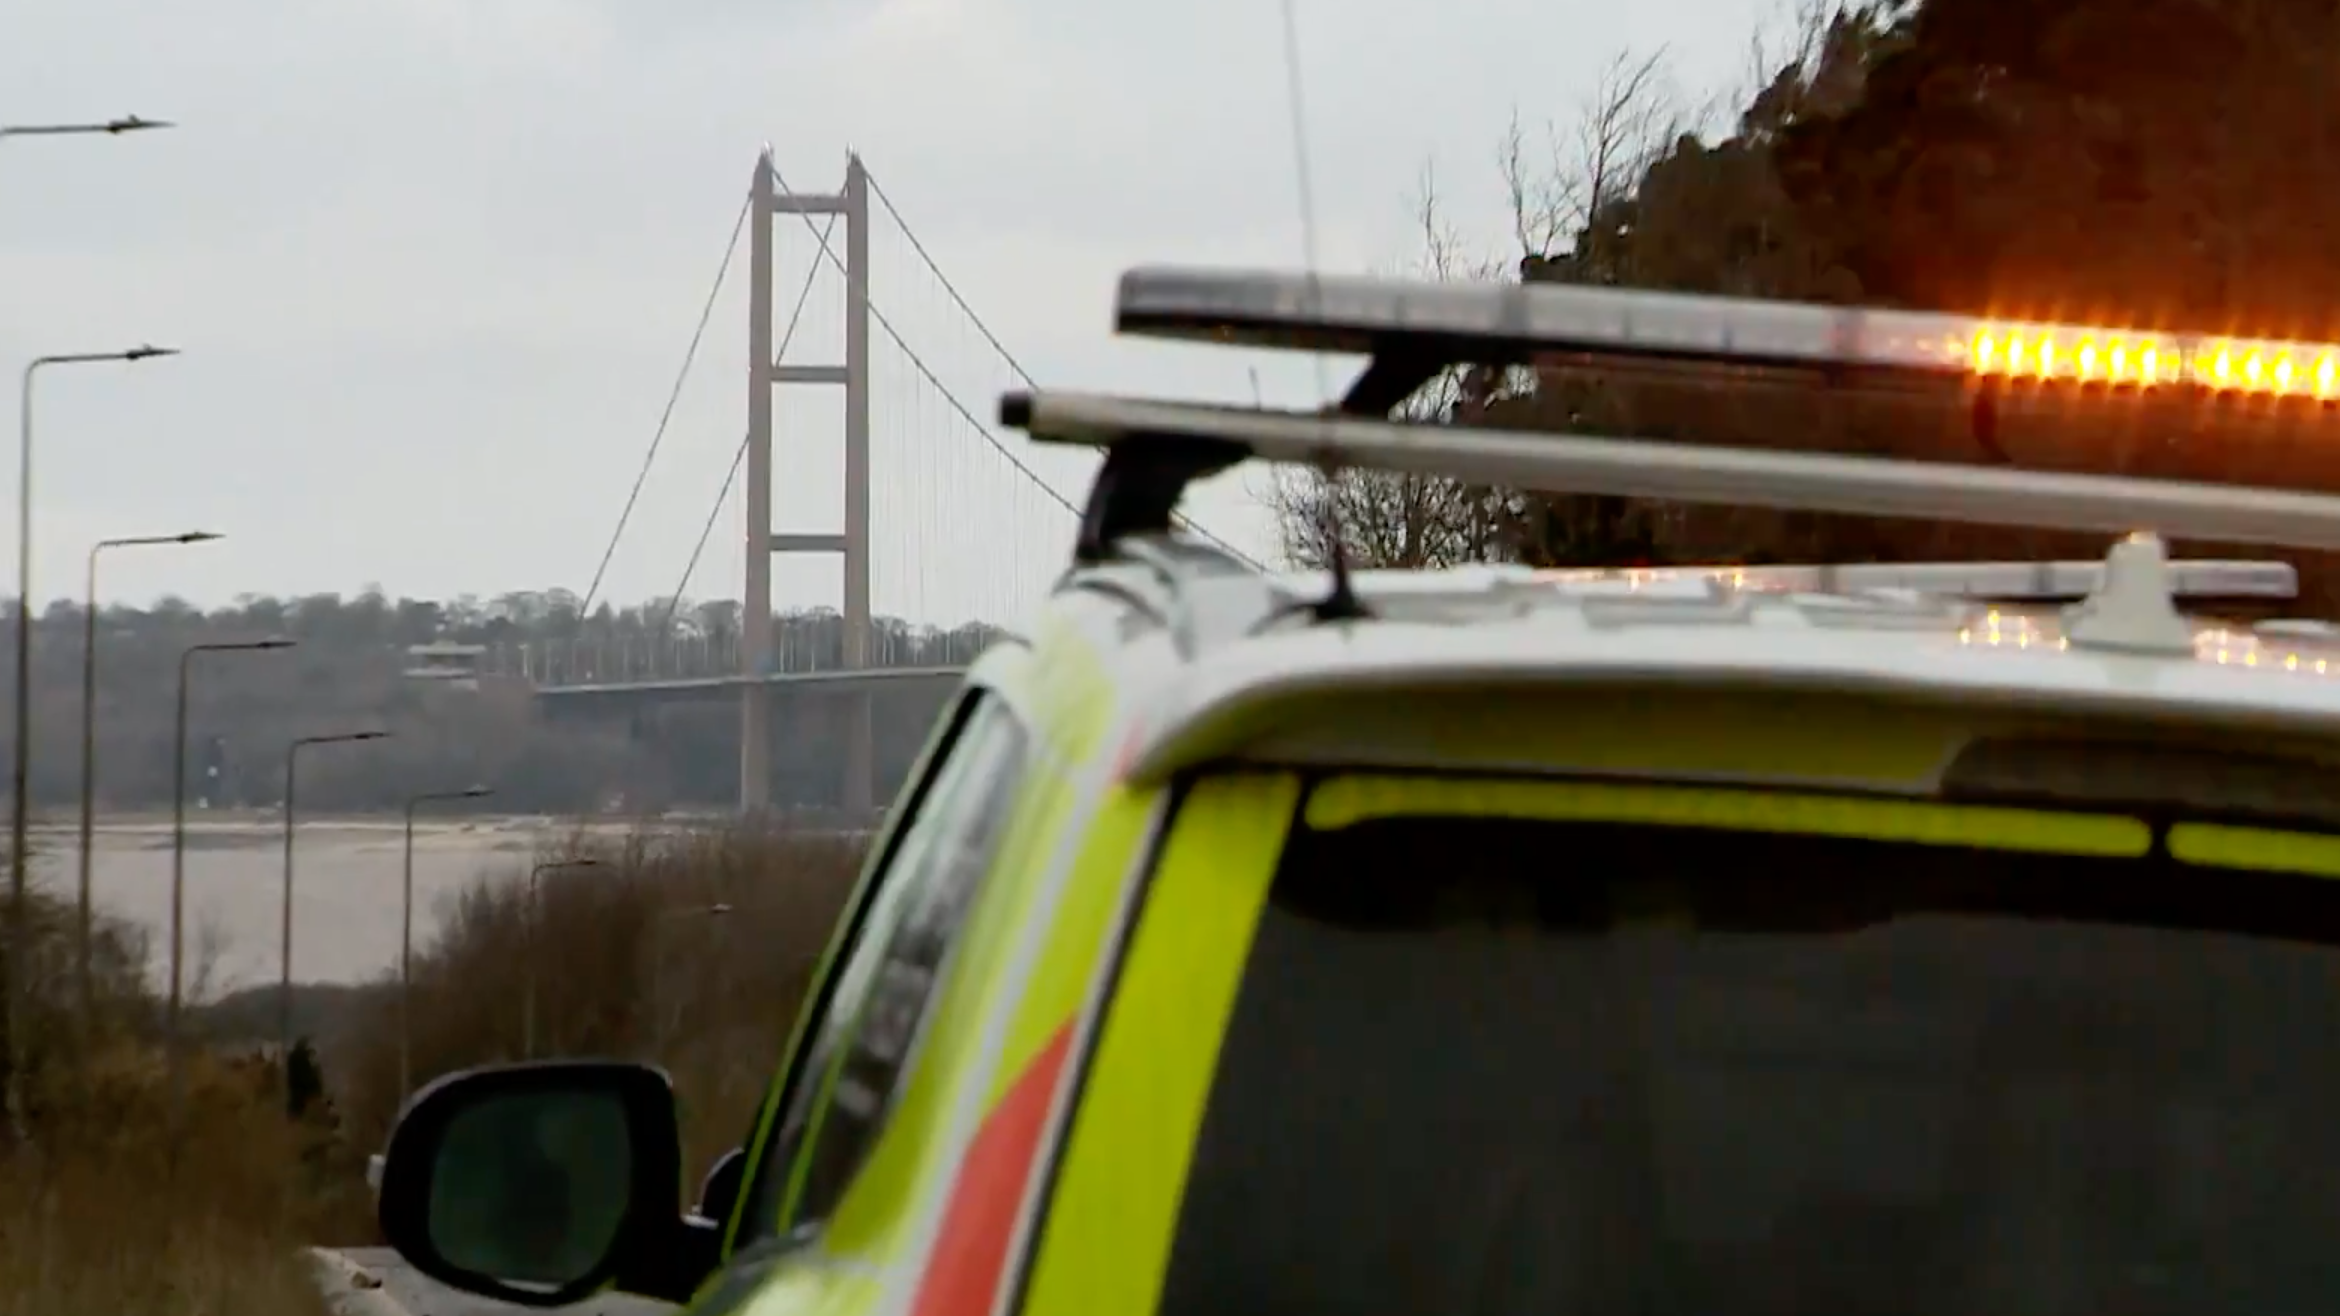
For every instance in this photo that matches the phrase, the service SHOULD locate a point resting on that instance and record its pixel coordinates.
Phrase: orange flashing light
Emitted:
(2133, 359)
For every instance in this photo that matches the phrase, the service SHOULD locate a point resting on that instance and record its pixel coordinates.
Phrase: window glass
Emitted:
(1492, 1066)
(864, 1043)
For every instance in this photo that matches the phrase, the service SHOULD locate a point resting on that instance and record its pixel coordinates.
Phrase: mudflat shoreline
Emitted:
(348, 889)
(268, 825)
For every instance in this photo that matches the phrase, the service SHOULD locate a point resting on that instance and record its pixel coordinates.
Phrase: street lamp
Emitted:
(21, 788)
(128, 123)
(660, 1028)
(528, 993)
(292, 754)
(406, 935)
(89, 636)
(179, 843)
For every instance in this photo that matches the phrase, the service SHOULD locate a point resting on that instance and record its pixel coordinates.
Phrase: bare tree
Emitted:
(1627, 121)
(1783, 56)
(1811, 61)
(1382, 519)
(1540, 217)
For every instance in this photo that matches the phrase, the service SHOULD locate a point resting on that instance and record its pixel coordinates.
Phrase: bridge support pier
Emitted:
(755, 635)
(764, 372)
(755, 749)
(860, 790)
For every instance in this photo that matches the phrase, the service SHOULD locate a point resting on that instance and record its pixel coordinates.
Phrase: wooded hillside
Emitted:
(347, 674)
(2144, 163)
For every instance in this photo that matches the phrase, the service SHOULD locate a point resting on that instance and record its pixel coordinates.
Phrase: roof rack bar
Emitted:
(2212, 578)
(1156, 446)
(1136, 491)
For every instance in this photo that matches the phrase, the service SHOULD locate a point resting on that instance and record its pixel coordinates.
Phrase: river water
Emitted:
(346, 889)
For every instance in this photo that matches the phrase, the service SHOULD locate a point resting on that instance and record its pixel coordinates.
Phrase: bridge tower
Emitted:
(764, 373)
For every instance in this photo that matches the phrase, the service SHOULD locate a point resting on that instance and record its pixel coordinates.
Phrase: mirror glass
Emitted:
(531, 1187)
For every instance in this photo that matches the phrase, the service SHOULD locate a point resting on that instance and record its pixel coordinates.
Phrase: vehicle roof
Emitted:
(1230, 641)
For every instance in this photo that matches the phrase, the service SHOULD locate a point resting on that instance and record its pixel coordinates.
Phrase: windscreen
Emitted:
(1494, 1066)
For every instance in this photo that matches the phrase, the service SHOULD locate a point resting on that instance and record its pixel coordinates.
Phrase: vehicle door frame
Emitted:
(1225, 823)
(982, 686)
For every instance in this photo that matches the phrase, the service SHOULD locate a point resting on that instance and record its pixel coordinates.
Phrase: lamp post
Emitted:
(406, 935)
(12, 963)
(89, 637)
(528, 991)
(659, 1026)
(177, 1056)
(128, 123)
(292, 754)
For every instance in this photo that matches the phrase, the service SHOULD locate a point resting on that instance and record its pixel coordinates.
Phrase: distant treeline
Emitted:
(348, 672)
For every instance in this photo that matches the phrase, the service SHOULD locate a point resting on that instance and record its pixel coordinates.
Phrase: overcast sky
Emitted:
(435, 263)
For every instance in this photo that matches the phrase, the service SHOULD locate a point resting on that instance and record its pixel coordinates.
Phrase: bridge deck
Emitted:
(842, 680)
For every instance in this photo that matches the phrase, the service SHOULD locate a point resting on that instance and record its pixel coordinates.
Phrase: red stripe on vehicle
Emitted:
(978, 1223)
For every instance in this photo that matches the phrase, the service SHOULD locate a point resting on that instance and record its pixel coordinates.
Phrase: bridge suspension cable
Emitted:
(981, 327)
(950, 289)
(829, 254)
(666, 415)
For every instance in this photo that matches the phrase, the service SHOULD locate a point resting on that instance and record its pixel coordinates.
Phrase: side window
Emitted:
(864, 1043)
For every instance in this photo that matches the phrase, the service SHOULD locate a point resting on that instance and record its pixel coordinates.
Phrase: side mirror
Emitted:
(542, 1184)
(719, 1191)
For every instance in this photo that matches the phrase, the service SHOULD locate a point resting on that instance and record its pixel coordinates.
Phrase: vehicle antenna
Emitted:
(1342, 603)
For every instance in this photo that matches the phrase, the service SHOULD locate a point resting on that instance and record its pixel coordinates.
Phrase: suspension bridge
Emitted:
(948, 527)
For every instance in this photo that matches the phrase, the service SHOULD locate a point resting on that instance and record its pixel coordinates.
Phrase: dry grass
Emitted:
(629, 963)
(102, 1211)
(98, 1213)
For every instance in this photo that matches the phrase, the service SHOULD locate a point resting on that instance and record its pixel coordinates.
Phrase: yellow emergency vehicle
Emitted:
(1951, 938)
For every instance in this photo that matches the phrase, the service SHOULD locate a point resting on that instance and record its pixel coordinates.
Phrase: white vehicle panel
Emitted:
(1931, 649)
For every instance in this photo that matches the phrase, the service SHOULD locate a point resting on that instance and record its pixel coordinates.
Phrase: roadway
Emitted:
(842, 680)
(410, 1294)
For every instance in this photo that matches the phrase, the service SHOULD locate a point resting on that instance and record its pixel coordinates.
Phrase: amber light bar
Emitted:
(1413, 326)
(2261, 366)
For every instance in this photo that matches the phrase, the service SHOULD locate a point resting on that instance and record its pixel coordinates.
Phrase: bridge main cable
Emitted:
(919, 363)
(950, 289)
(666, 416)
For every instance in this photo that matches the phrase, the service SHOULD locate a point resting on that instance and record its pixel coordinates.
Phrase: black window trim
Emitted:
(916, 1046)
(975, 699)
(847, 939)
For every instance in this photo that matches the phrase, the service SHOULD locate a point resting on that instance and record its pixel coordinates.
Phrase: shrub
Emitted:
(629, 961)
(108, 1204)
